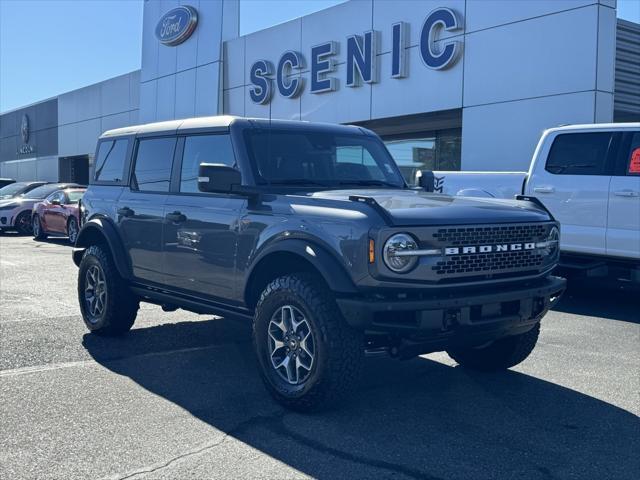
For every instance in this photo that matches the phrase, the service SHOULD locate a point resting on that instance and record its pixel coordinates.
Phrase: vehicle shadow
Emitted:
(63, 241)
(418, 419)
(601, 297)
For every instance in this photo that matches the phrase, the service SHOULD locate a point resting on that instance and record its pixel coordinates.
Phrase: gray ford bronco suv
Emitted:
(310, 232)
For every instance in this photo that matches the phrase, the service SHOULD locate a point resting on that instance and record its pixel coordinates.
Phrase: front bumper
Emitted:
(459, 313)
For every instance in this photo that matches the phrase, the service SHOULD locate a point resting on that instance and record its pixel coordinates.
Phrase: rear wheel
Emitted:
(108, 306)
(23, 223)
(499, 355)
(36, 226)
(72, 230)
(309, 358)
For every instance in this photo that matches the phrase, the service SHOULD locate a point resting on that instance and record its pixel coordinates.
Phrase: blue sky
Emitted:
(48, 47)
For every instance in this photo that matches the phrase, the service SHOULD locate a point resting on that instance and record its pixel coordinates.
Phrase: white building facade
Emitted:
(448, 84)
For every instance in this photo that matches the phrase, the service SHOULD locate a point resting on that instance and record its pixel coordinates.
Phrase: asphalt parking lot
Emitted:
(179, 397)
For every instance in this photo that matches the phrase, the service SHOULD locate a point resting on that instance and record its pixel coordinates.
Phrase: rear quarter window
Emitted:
(110, 160)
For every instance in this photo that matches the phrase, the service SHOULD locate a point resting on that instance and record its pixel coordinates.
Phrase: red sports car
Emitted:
(58, 215)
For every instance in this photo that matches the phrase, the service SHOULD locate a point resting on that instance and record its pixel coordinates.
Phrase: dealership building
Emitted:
(448, 84)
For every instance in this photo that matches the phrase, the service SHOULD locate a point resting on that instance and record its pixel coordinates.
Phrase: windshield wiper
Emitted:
(370, 183)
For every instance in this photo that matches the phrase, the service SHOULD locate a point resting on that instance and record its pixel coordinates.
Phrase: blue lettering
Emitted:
(261, 91)
(321, 65)
(288, 62)
(444, 18)
(399, 50)
(361, 56)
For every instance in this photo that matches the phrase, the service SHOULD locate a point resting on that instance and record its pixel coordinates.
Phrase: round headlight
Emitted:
(553, 241)
(397, 253)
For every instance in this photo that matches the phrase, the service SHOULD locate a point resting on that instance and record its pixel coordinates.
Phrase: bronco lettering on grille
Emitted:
(504, 247)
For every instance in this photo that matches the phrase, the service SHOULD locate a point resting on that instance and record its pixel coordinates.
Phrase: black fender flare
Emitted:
(334, 274)
(101, 228)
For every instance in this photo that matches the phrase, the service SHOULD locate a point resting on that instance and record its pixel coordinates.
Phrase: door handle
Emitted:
(626, 193)
(544, 189)
(126, 212)
(176, 217)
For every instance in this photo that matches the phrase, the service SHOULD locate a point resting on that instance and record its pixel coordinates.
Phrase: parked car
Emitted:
(588, 176)
(6, 181)
(15, 212)
(310, 231)
(58, 214)
(16, 189)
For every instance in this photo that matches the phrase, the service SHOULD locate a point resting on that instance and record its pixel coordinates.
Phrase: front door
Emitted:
(201, 229)
(140, 208)
(53, 214)
(623, 229)
(574, 186)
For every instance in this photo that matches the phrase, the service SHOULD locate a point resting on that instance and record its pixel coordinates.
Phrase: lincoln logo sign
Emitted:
(361, 62)
(25, 148)
(177, 25)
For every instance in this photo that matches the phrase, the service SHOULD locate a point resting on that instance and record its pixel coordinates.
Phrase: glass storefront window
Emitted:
(438, 150)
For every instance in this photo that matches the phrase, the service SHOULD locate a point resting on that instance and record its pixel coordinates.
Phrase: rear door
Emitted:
(140, 209)
(201, 229)
(574, 186)
(623, 229)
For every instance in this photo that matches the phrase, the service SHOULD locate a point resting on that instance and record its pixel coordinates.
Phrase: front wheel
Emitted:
(23, 223)
(72, 230)
(108, 306)
(499, 355)
(38, 231)
(309, 358)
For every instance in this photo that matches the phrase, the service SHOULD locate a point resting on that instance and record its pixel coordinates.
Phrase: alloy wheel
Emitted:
(23, 223)
(95, 292)
(72, 231)
(291, 344)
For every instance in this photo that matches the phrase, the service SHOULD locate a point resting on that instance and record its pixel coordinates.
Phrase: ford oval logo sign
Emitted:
(177, 25)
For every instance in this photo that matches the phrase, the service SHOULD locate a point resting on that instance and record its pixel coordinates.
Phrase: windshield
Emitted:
(74, 196)
(41, 192)
(13, 189)
(285, 157)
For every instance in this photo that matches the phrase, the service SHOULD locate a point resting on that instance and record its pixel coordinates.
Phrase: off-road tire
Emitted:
(499, 355)
(38, 233)
(121, 305)
(339, 349)
(23, 226)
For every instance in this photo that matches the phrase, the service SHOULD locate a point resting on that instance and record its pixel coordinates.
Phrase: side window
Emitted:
(152, 171)
(59, 196)
(203, 149)
(110, 160)
(579, 154)
(633, 159)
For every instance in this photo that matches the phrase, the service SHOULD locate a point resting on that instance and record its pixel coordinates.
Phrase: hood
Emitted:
(416, 207)
(19, 201)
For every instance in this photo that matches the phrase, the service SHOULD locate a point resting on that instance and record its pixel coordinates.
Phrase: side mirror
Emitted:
(55, 201)
(427, 180)
(218, 178)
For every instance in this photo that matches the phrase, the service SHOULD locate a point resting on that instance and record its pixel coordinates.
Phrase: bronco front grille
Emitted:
(494, 262)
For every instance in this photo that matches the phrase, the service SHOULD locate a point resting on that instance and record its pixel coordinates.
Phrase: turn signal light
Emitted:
(372, 251)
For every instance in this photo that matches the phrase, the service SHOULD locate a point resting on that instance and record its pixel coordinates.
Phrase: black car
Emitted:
(310, 232)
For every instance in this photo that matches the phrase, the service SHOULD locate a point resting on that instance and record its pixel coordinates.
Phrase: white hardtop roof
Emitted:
(596, 126)
(172, 125)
